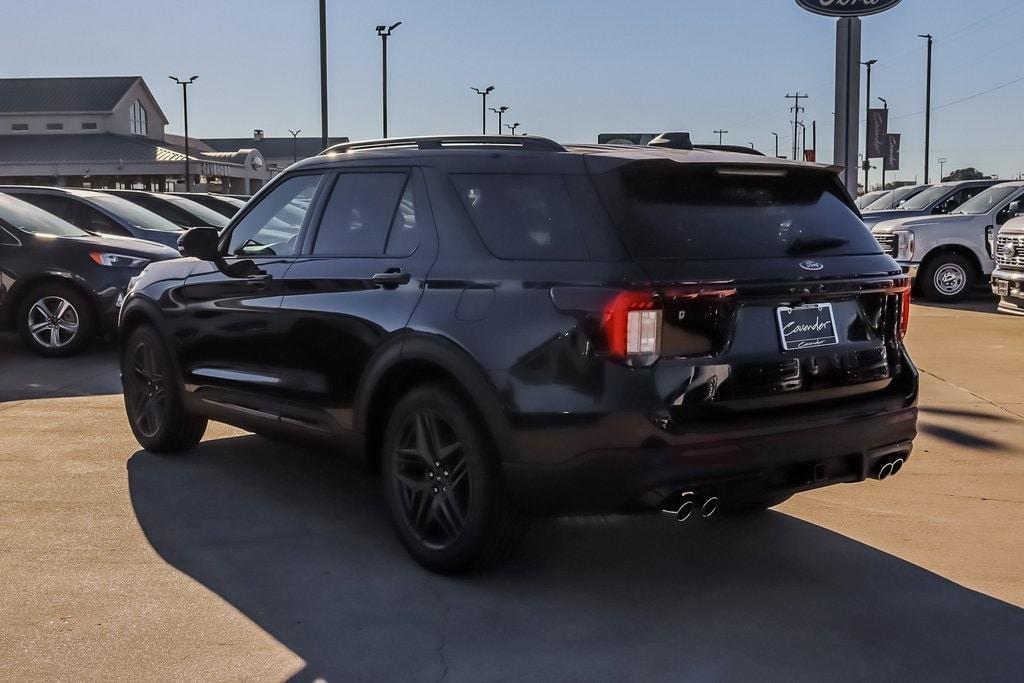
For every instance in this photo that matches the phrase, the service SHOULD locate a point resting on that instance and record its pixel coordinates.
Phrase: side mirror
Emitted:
(200, 243)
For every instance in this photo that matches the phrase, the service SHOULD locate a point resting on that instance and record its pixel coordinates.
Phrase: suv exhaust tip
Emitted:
(688, 505)
(889, 468)
(709, 508)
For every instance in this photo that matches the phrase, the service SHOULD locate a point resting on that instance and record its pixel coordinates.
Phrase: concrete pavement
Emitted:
(247, 559)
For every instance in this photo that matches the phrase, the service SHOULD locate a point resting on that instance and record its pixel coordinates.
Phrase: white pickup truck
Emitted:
(947, 255)
(1008, 277)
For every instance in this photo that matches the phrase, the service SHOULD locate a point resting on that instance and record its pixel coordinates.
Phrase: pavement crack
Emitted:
(977, 396)
(442, 640)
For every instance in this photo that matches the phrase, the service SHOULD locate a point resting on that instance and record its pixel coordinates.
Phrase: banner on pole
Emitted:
(878, 127)
(891, 158)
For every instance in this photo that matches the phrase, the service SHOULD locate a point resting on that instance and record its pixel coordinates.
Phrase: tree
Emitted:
(969, 173)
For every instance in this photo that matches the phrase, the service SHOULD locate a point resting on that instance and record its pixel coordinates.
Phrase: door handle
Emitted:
(391, 278)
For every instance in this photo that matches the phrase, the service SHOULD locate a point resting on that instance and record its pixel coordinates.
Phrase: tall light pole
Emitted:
(295, 144)
(751, 145)
(796, 109)
(483, 111)
(867, 124)
(720, 134)
(323, 75)
(776, 144)
(384, 32)
(512, 127)
(942, 168)
(499, 111)
(885, 105)
(927, 107)
(184, 83)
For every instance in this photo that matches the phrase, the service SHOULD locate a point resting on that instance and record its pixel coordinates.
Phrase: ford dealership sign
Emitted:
(847, 8)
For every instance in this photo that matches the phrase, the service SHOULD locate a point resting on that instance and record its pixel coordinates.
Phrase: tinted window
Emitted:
(664, 209)
(983, 202)
(96, 221)
(404, 236)
(523, 216)
(273, 226)
(30, 218)
(925, 199)
(359, 213)
(61, 207)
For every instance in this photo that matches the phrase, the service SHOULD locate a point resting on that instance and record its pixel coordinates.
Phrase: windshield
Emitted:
(667, 210)
(205, 214)
(30, 218)
(892, 198)
(925, 199)
(133, 213)
(983, 202)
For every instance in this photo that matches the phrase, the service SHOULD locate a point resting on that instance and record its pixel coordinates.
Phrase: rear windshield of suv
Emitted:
(664, 209)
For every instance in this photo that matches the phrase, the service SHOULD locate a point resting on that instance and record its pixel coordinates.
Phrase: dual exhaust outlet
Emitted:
(690, 505)
(889, 468)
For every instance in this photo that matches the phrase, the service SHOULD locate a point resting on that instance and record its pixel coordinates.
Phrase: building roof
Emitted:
(51, 95)
(94, 148)
(274, 148)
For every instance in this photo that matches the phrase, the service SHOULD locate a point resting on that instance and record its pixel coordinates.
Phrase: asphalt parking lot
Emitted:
(247, 559)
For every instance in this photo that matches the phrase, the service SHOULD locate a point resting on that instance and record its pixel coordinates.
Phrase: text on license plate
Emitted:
(804, 327)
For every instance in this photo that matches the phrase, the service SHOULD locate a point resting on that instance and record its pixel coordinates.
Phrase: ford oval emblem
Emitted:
(847, 8)
(811, 265)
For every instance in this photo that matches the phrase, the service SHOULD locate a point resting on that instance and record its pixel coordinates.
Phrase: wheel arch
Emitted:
(960, 249)
(416, 359)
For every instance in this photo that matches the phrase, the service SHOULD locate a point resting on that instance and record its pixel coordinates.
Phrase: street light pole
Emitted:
(776, 145)
(184, 83)
(867, 124)
(720, 134)
(512, 127)
(295, 149)
(942, 167)
(483, 111)
(885, 104)
(384, 32)
(499, 111)
(323, 75)
(927, 107)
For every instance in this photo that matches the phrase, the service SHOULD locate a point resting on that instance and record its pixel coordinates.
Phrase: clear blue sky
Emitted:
(568, 69)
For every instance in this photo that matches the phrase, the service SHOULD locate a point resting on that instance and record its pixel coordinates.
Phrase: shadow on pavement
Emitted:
(25, 375)
(300, 544)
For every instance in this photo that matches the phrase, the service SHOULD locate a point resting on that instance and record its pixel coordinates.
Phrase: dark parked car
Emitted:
(221, 203)
(60, 286)
(181, 211)
(507, 326)
(941, 198)
(99, 213)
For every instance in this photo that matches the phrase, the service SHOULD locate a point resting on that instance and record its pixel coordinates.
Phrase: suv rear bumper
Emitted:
(790, 459)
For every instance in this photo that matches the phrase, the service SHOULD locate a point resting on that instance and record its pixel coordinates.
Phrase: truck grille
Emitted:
(888, 242)
(1010, 251)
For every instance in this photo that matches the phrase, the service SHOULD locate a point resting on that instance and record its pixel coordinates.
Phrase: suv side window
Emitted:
(359, 214)
(274, 225)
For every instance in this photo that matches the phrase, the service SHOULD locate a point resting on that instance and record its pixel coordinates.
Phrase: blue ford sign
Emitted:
(847, 8)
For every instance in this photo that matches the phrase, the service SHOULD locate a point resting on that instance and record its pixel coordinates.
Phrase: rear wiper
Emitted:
(809, 246)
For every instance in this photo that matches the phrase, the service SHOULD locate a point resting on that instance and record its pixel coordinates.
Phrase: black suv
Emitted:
(506, 326)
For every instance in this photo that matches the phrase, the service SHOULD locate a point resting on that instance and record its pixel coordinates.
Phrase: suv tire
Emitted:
(56, 320)
(152, 397)
(443, 485)
(947, 276)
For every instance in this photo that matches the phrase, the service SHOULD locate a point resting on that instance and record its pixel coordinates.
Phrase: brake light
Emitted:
(904, 311)
(632, 324)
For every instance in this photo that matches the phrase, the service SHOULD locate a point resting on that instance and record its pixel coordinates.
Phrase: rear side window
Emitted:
(524, 216)
(359, 213)
(664, 209)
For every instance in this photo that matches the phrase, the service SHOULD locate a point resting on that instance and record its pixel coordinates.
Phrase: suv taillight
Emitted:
(632, 325)
(904, 311)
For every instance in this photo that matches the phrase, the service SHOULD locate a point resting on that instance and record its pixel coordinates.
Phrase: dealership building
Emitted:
(108, 132)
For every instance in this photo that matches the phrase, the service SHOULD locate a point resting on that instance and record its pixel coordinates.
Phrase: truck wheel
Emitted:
(946, 277)
(443, 484)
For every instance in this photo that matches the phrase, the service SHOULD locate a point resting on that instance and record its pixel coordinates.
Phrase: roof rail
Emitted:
(510, 142)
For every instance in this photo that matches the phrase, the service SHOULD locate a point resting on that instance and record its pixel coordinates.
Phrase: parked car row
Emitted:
(67, 254)
(945, 236)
